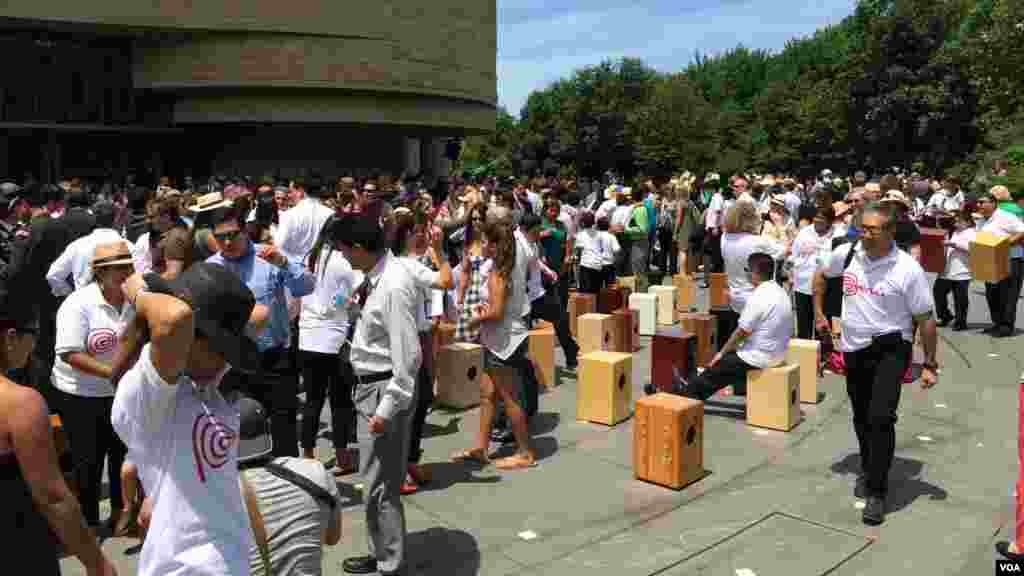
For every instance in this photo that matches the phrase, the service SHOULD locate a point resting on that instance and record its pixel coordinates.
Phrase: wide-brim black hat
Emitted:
(221, 306)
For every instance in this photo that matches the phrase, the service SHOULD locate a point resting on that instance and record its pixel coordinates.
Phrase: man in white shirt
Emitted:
(385, 357)
(885, 295)
(759, 341)
(1002, 296)
(73, 263)
(948, 199)
(299, 227)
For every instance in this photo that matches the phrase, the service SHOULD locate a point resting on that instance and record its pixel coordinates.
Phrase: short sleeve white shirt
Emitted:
(425, 279)
(593, 249)
(1004, 223)
(299, 227)
(610, 248)
(736, 248)
(87, 323)
(810, 252)
(184, 439)
(768, 317)
(323, 320)
(880, 296)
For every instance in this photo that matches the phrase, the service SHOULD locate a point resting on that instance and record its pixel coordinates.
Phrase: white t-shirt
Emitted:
(957, 254)
(620, 217)
(185, 441)
(736, 248)
(425, 279)
(769, 319)
(879, 297)
(810, 252)
(1004, 223)
(534, 282)
(87, 323)
(323, 320)
(590, 241)
(611, 246)
(299, 227)
(605, 210)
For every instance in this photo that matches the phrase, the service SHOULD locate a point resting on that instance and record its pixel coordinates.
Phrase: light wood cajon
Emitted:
(686, 292)
(645, 306)
(579, 304)
(718, 290)
(460, 367)
(806, 355)
(604, 388)
(596, 332)
(668, 440)
(541, 350)
(773, 397)
(666, 304)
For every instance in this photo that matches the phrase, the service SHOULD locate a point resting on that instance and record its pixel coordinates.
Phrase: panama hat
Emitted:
(111, 254)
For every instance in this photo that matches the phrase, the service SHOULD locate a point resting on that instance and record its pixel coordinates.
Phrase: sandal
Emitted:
(475, 455)
(516, 462)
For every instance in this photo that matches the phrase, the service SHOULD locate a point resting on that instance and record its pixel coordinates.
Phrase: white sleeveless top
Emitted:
(503, 337)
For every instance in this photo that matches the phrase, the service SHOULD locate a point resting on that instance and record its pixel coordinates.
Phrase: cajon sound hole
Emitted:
(792, 396)
(607, 337)
(622, 381)
(471, 373)
(691, 435)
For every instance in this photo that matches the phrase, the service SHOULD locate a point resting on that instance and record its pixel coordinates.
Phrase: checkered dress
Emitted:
(470, 299)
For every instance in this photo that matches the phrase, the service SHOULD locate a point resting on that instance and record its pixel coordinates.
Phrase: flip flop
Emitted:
(515, 462)
(477, 456)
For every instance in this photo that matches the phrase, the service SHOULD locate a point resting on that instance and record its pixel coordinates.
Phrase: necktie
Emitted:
(358, 301)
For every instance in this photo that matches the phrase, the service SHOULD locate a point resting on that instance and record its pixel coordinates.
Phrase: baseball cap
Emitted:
(254, 439)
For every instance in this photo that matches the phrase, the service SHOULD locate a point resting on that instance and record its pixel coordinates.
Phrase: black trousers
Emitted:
(276, 387)
(622, 264)
(1002, 296)
(804, 316)
(941, 291)
(713, 248)
(727, 320)
(551, 308)
(591, 281)
(668, 256)
(424, 398)
(731, 370)
(326, 376)
(92, 440)
(874, 379)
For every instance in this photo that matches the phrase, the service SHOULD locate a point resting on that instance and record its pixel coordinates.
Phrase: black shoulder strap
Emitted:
(306, 484)
(849, 255)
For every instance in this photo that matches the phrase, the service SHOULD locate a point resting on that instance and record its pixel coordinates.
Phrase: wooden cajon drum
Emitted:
(718, 290)
(627, 282)
(579, 304)
(645, 306)
(460, 367)
(610, 299)
(672, 351)
(686, 292)
(628, 333)
(773, 397)
(604, 388)
(666, 304)
(668, 440)
(933, 250)
(596, 332)
(705, 328)
(445, 336)
(806, 355)
(989, 257)
(541, 351)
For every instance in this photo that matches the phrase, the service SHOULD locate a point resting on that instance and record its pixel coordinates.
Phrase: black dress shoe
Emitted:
(1003, 332)
(360, 565)
(990, 330)
(874, 511)
(860, 489)
(958, 327)
(1004, 550)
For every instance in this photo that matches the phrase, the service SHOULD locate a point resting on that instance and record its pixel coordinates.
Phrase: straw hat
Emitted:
(208, 202)
(895, 196)
(778, 201)
(111, 254)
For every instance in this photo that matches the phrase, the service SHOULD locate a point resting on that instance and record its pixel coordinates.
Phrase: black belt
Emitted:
(375, 376)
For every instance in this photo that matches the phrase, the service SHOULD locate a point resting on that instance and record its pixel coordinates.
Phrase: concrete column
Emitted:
(442, 165)
(411, 159)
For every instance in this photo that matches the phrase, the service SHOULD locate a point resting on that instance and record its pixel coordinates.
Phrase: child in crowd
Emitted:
(957, 276)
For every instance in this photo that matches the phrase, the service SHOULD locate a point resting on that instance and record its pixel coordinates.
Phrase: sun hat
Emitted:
(207, 202)
(895, 196)
(111, 254)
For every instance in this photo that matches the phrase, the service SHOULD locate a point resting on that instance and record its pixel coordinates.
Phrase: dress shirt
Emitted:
(299, 227)
(268, 283)
(74, 261)
(386, 338)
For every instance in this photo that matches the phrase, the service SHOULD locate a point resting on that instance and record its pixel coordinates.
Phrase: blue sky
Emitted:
(540, 41)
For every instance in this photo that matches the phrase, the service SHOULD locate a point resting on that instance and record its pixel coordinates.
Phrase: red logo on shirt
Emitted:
(212, 442)
(101, 341)
(852, 286)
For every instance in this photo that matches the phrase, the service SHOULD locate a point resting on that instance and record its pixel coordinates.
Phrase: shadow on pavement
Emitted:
(544, 422)
(905, 486)
(442, 551)
(433, 430)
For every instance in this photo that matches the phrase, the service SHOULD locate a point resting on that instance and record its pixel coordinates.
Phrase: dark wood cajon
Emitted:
(672, 351)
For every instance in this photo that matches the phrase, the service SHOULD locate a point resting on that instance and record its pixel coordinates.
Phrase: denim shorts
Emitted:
(515, 360)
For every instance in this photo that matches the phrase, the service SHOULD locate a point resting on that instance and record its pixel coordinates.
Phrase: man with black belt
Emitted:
(885, 294)
(385, 357)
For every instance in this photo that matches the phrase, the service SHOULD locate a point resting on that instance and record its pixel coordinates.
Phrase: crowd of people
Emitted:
(174, 331)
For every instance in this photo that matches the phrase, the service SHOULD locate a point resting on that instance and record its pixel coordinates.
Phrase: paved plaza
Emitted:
(771, 503)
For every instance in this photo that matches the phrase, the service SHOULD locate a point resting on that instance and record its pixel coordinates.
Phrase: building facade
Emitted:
(242, 87)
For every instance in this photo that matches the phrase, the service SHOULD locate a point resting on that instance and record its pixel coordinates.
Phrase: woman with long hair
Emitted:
(503, 335)
(323, 327)
(36, 498)
(469, 290)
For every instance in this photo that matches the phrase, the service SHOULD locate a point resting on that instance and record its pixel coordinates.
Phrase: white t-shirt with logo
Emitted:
(810, 252)
(880, 296)
(87, 323)
(185, 441)
(768, 317)
(736, 248)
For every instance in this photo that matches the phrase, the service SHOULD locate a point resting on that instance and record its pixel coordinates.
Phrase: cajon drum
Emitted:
(933, 250)
(596, 332)
(672, 352)
(579, 304)
(645, 306)
(541, 351)
(666, 304)
(705, 328)
(59, 439)
(604, 388)
(773, 397)
(668, 440)
(627, 282)
(610, 299)
(806, 355)
(988, 257)
(718, 290)
(445, 336)
(458, 376)
(686, 292)
(628, 333)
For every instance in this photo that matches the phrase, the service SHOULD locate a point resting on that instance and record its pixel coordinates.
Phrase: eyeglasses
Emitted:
(227, 236)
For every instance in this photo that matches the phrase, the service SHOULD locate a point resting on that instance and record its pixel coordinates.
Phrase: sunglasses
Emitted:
(227, 236)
